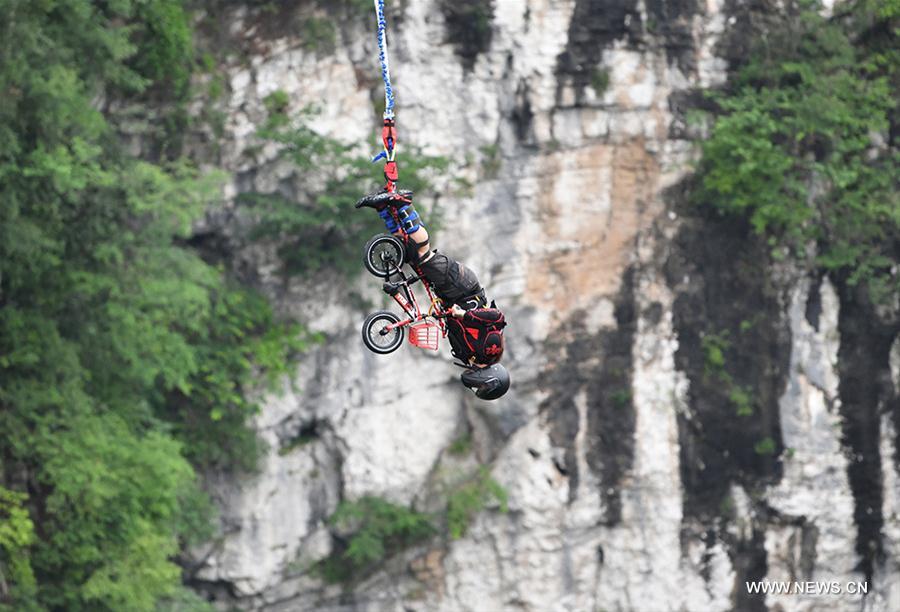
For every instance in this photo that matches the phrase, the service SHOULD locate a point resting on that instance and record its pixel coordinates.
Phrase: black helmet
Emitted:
(489, 383)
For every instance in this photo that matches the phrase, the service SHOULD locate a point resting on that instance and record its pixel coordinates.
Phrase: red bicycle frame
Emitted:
(406, 298)
(420, 322)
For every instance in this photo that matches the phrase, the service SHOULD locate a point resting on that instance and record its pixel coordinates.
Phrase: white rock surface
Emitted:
(814, 486)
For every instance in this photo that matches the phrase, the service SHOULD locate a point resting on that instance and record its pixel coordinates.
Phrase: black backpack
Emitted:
(478, 334)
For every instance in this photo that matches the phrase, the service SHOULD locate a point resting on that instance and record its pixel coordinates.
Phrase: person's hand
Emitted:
(457, 311)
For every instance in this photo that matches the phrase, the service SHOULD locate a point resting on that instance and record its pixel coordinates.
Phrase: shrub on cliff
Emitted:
(470, 498)
(376, 529)
(372, 529)
(803, 143)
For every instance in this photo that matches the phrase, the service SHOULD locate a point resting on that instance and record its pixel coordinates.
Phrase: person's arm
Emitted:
(421, 239)
(484, 316)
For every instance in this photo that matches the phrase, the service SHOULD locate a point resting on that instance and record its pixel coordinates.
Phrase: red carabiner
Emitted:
(389, 136)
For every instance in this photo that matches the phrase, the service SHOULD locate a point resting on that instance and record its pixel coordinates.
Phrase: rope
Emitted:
(383, 58)
(388, 131)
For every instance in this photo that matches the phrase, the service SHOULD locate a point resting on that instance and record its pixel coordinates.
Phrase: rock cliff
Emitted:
(632, 483)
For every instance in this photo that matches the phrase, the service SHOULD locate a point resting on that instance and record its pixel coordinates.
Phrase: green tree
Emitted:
(802, 143)
(122, 353)
(323, 229)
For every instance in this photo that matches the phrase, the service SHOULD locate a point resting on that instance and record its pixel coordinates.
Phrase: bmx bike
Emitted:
(383, 331)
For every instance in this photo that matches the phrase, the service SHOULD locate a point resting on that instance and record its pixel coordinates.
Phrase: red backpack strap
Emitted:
(460, 340)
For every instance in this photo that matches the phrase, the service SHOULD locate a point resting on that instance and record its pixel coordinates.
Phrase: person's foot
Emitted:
(385, 198)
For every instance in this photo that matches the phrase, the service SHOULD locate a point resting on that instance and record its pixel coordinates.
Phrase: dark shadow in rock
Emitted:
(866, 390)
(597, 366)
(671, 20)
(595, 25)
(469, 27)
(734, 344)
(734, 347)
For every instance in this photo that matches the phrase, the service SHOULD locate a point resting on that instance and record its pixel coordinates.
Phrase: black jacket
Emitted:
(453, 282)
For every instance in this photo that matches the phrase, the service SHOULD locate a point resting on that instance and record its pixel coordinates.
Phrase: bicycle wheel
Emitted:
(375, 336)
(383, 255)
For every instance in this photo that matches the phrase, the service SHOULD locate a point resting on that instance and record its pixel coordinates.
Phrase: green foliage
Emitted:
(358, 7)
(111, 514)
(184, 600)
(714, 346)
(471, 498)
(16, 536)
(600, 80)
(727, 506)
(715, 366)
(122, 353)
(216, 88)
(491, 162)
(801, 144)
(164, 44)
(319, 34)
(696, 118)
(324, 230)
(276, 103)
(461, 445)
(621, 398)
(742, 400)
(241, 340)
(463, 187)
(766, 446)
(378, 529)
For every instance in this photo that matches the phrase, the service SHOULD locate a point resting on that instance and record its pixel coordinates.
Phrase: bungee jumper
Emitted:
(458, 308)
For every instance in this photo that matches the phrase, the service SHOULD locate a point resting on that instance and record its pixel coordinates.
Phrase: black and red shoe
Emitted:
(381, 199)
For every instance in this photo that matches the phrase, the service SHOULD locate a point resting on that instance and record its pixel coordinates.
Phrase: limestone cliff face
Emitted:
(632, 483)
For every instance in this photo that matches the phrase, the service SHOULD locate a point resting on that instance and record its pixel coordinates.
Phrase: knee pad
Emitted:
(409, 218)
(412, 251)
(389, 222)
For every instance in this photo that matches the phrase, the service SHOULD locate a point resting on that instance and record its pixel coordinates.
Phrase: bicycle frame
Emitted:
(406, 299)
(408, 302)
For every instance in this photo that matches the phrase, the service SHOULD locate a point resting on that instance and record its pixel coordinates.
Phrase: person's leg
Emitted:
(420, 237)
(406, 222)
(410, 225)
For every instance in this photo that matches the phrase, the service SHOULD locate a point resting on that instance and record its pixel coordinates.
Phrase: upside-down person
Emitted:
(476, 329)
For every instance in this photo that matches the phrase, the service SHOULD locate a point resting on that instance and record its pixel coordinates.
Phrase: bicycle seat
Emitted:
(391, 289)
